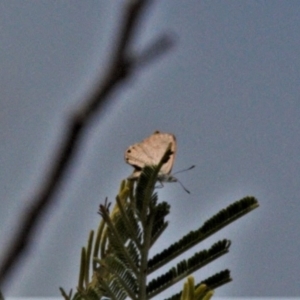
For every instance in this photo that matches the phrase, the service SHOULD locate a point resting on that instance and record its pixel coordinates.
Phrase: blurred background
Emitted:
(229, 90)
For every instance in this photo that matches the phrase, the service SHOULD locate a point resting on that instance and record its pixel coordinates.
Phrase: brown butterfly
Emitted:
(149, 152)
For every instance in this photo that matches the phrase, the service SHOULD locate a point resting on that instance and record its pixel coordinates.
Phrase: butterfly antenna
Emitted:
(183, 186)
(191, 167)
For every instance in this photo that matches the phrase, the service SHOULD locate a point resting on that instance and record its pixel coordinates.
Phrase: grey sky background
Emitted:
(229, 91)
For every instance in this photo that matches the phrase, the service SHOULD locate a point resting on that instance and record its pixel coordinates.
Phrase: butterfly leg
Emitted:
(161, 185)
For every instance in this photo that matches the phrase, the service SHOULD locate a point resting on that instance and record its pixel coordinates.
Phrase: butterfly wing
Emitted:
(150, 151)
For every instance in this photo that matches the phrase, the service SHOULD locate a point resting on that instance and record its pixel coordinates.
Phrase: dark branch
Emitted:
(120, 68)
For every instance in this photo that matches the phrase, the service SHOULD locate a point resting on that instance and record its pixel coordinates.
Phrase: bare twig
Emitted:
(120, 68)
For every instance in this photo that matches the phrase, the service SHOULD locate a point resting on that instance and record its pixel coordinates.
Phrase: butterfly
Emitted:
(149, 152)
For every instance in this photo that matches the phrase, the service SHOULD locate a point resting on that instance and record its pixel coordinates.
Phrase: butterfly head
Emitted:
(166, 178)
